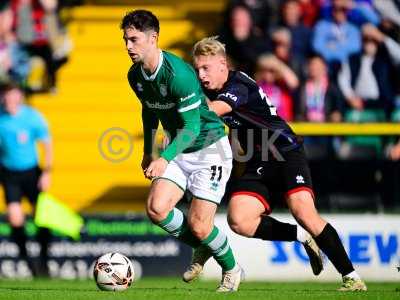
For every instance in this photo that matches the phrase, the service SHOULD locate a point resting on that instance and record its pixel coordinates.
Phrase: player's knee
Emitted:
(156, 211)
(16, 216)
(238, 224)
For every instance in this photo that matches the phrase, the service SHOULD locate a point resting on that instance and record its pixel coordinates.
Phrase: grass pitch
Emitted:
(175, 289)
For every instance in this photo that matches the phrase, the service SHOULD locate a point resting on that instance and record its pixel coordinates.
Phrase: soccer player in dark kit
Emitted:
(276, 170)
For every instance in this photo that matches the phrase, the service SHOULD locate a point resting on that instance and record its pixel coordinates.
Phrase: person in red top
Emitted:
(31, 31)
(278, 81)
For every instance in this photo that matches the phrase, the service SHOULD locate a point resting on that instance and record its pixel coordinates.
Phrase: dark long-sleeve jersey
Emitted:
(253, 117)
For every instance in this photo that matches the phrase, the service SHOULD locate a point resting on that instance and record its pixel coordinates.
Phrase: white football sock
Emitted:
(353, 275)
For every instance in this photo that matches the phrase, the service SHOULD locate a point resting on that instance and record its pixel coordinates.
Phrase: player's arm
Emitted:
(150, 125)
(190, 116)
(42, 135)
(219, 107)
(229, 100)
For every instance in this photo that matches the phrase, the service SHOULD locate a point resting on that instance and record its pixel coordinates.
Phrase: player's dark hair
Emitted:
(142, 20)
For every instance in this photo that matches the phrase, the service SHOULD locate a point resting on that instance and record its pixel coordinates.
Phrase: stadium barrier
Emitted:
(333, 129)
(152, 251)
(372, 242)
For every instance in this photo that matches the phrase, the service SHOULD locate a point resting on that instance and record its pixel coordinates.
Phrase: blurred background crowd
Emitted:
(33, 42)
(322, 61)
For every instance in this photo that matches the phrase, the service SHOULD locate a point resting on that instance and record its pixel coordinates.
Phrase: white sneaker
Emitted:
(200, 256)
(231, 280)
(314, 254)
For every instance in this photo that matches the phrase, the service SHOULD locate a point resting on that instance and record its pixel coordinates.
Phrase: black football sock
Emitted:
(329, 242)
(18, 235)
(271, 229)
(43, 237)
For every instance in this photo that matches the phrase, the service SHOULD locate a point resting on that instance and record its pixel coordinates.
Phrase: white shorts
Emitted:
(204, 173)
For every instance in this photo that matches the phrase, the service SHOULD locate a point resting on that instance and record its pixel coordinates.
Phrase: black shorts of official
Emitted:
(17, 184)
(272, 180)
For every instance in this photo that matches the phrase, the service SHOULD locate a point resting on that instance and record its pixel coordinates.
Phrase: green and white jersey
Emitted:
(172, 95)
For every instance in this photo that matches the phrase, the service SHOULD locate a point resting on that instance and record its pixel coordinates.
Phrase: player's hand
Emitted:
(156, 168)
(44, 181)
(146, 160)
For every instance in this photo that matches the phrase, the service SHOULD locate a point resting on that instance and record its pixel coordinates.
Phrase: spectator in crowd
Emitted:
(31, 29)
(264, 13)
(292, 20)
(359, 13)
(283, 50)
(366, 80)
(336, 39)
(278, 81)
(21, 127)
(310, 11)
(243, 45)
(14, 61)
(320, 99)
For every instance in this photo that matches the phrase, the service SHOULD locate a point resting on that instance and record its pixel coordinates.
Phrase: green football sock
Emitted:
(218, 243)
(176, 224)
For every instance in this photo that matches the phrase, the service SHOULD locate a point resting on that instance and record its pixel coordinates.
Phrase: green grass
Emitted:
(174, 289)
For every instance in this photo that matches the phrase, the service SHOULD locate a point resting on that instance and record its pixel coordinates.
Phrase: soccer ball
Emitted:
(113, 272)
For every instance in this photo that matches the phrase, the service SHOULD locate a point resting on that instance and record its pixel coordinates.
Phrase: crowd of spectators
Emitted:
(322, 60)
(33, 43)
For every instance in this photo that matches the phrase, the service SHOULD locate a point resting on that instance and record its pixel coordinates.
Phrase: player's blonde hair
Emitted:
(209, 46)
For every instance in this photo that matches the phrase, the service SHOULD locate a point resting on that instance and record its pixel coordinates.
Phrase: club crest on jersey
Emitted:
(163, 90)
(299, 179)
(139, 87)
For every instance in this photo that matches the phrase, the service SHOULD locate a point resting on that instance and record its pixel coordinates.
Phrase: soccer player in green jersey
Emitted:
(198, 158)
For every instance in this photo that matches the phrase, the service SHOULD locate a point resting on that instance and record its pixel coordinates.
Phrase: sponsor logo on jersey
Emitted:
(163, 90)
(139, 87)
(228, 95)
(188, 97)
(159, 105)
